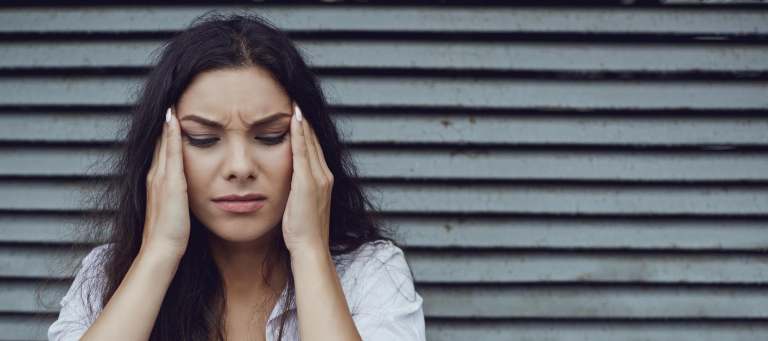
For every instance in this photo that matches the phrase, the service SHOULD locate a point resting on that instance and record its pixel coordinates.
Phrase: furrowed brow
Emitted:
(270, 119)
(209, 123)
(202, 121)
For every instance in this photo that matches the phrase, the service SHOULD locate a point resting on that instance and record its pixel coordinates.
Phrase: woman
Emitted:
(237, 213)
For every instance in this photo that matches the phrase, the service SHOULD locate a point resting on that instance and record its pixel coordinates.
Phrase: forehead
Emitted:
(220, 94)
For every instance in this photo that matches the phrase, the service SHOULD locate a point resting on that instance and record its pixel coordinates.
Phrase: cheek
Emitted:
(275, 174)
(199, 171)
(280, 165)
(288, 163)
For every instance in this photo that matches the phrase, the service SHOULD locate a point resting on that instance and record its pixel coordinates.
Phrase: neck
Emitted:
(248, 268)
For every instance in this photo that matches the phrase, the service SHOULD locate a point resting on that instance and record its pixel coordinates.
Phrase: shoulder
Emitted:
(371, 257)
(91, 276)
(376, 268)
(97, 255)
(92, 265)
(82, 303)
(379, 288)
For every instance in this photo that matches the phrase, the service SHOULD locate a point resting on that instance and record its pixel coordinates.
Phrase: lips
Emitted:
(235, 197)
(241, 203)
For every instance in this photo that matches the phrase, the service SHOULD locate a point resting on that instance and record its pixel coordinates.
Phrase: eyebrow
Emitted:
(263, 121)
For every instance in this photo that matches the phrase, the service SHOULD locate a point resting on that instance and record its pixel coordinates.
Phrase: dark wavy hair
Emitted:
(194, 304)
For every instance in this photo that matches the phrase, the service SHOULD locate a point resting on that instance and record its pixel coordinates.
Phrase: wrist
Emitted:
(312, 250)
(160, 260)
(160, 253)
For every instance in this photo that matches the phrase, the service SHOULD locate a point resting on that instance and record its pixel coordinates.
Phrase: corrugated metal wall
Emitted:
(558, 173)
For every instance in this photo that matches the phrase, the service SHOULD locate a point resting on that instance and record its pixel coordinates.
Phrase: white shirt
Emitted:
(375, 279)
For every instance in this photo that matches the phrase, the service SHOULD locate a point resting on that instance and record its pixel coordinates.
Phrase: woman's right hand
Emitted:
(132, 311)
(167, 222)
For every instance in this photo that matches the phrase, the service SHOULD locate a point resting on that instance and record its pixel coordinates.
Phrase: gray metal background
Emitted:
(558, 174)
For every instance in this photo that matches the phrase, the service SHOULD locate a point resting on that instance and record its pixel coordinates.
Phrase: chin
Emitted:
(239, 231)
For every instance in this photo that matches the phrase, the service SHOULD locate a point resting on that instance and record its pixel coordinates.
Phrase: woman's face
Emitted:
(235, 128)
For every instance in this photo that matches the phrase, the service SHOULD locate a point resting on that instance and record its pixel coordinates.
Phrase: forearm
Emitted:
(132, 310)
(322, 309)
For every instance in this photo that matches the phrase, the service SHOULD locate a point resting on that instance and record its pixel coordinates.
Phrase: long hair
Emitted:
(194, 304)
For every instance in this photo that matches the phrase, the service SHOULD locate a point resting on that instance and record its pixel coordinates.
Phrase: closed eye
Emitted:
(273, 140)
(202, 143)
(267, 140)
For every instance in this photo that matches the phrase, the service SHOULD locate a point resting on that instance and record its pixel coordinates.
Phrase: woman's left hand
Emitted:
(308, 211)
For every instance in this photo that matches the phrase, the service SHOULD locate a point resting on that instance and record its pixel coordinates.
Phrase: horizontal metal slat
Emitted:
(498, 93)
(53, 127)
(509, 56)
(404, 19)
(506, 267)
(24, 327)
(460, 164)
(20, 296)
(565, 165)
(494, 232)
(67, 90)
(460, 330)
(572, 233)
(448, 128)
(613, 199)
(39, 261)
(76, 54)
(25, 161)
(488, 267)
(365, 91)
(576, 199)
(37, 228)
(547, 129)
(585, 302)
(539, 301)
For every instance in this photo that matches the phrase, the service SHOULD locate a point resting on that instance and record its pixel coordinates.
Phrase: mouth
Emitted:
(240, 206)
(240, 203)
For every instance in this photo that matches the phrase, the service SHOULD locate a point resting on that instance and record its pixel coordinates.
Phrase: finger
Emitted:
(175, 161)
(314, 163)
(163, 150)
(155, 158)
(298, 146)
(320, 155)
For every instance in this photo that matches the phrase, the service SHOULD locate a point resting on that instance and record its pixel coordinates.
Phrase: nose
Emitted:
(238, 162)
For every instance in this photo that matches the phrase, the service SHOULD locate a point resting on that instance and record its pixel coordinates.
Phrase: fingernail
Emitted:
(168, 115)
(298, 113)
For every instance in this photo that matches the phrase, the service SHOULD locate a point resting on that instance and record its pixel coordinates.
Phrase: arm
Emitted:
(132, 310)
(377, 284)
(321, 307)
(379, 287)
(137, 300)
(322, 310)
(391, 307)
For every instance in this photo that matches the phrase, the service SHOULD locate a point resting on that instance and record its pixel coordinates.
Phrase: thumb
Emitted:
(299, 146)
(175, 166)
